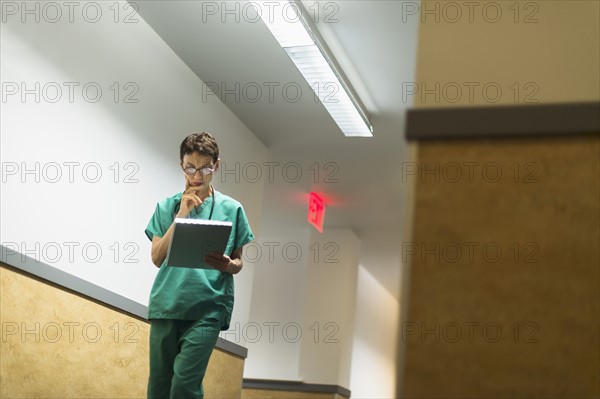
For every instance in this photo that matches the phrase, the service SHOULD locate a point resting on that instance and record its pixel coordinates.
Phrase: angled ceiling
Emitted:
(377, 52)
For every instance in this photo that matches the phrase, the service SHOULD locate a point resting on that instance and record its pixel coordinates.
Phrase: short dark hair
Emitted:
(204, 143)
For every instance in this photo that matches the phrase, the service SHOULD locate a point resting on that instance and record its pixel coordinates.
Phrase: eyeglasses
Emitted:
(205, 170)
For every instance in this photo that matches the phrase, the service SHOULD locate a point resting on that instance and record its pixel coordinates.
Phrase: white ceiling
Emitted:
(376, 50)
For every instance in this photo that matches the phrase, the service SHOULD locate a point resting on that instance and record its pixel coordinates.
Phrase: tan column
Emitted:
(504, 290)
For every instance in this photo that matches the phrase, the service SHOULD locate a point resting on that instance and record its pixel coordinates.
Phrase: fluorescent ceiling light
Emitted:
(301, 41)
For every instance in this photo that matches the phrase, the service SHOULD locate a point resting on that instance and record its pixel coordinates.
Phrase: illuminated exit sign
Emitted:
(316, 211)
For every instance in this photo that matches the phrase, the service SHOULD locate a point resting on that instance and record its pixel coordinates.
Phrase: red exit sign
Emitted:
(316, 211)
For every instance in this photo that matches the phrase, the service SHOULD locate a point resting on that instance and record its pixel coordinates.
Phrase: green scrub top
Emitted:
(194, 294)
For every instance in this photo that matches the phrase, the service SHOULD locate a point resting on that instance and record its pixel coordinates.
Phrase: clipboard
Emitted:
(193, 239)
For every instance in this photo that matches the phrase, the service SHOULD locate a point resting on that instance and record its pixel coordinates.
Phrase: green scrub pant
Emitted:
(179, 354)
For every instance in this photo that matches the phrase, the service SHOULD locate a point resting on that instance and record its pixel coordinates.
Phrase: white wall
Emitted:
(278, 295)
(375, 341)
(362, 302)
(295, 297)
(139, 140)
(329, 309)
(374, 352)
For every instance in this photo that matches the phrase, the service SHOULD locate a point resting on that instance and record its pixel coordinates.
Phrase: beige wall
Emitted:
(557, 56)
(541, 293)
(532, 276)
(58, 344)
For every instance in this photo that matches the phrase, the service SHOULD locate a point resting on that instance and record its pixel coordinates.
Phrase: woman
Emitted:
(189, 307)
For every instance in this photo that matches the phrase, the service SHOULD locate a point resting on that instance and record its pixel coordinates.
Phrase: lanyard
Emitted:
(212, 206)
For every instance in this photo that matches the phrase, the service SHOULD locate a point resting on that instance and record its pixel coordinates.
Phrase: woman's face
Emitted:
(198, 180)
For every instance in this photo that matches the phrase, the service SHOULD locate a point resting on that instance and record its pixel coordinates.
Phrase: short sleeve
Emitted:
(156, 224)
(243, 233)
